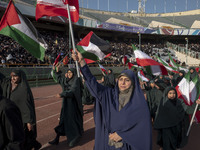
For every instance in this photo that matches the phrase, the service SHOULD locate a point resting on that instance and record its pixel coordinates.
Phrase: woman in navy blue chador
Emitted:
(121, 113)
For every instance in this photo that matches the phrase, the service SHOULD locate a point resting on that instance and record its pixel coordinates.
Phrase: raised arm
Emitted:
(94, 87)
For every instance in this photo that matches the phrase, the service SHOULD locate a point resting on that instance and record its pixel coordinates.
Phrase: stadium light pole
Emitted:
(139, 34)
(186, 49)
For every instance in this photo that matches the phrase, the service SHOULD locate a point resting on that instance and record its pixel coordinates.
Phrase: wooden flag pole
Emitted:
(72, 37)
(195, 110)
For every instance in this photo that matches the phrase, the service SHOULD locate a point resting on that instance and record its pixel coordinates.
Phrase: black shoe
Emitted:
(55, 141)
(37, 145)
(74, 141)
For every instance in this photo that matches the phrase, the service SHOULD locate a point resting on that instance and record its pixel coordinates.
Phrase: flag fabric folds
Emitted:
(19, 28)
(189, 91)
(151, 65)
(57, 8)
(65, 60)
(142, 77)
(93, 48)
(57, 59)
(130, 65)
(103, 69)
(169, 68)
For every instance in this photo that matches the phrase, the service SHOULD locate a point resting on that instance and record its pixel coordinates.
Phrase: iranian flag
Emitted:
(189, 91)
(142, 77)
(130, 65)
(19, 28)
(172, 62)
(152, 66)
(162, 61)
(57, 8)
(93, 48)
(103, 69)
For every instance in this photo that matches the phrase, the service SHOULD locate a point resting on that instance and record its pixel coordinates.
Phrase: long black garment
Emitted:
(110, 79)
(23, 98)
(71, 116)
(172, 122)
(153, 98)
(11, 127)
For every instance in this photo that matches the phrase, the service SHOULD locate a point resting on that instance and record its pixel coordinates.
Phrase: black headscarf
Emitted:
(169, 113)
(22, 96)
(194, 74)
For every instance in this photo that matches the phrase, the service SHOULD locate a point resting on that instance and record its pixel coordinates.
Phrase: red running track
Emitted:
(48, 111)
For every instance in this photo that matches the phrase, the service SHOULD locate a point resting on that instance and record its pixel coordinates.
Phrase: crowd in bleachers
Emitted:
(12, 54)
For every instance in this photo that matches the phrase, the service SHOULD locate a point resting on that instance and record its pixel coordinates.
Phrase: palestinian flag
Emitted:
(142, 77)
(162, 61)
(103, 69)
(57, 8)
(152, 66)
(189, 91)
(18, 27)
(93, 48)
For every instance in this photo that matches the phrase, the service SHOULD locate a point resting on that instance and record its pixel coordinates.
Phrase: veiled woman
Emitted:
(172, 120)
(71, 117)
(109, 79)
(154, 95)
(16, 88)
(121, 113)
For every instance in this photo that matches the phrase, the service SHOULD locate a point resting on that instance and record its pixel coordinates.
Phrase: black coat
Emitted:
(71, 116)
(11, 127)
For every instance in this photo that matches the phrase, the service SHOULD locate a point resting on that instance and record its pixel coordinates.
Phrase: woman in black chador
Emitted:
(172, 120)
(71, 117)
(17, 90)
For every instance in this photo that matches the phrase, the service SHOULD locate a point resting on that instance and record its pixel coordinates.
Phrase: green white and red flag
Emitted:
(57, 8)
(130, 65)
(19, 28)
(189, 91)
(93, 48)
(169, 68)
(103, 69)
(172, 62)
(142, 76)
(152, 66)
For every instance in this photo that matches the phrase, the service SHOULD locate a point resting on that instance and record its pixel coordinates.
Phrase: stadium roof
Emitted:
(174, 20)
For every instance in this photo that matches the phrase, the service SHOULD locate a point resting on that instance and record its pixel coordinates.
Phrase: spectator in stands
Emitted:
(71, 116)
(16, 88)
(121, 114)
(172, 120)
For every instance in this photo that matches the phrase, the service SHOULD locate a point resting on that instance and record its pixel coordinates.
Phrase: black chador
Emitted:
(20, 93)
(71, 117)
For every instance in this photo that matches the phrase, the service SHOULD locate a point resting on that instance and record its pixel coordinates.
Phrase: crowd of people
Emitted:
(12, 54)
(140, 106)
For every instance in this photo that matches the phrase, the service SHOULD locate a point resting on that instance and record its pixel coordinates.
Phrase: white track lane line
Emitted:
(36, 98)
(47, 144)
(48, 104)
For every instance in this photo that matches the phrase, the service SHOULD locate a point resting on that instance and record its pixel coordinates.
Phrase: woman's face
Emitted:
(171, 94)
(69, 74)
(14, 78)
(124, 83)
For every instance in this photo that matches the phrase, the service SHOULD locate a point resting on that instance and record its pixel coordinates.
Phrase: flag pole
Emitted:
(72, 36)
(192, 119)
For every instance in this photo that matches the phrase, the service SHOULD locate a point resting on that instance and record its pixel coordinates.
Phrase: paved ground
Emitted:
(48, 111)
